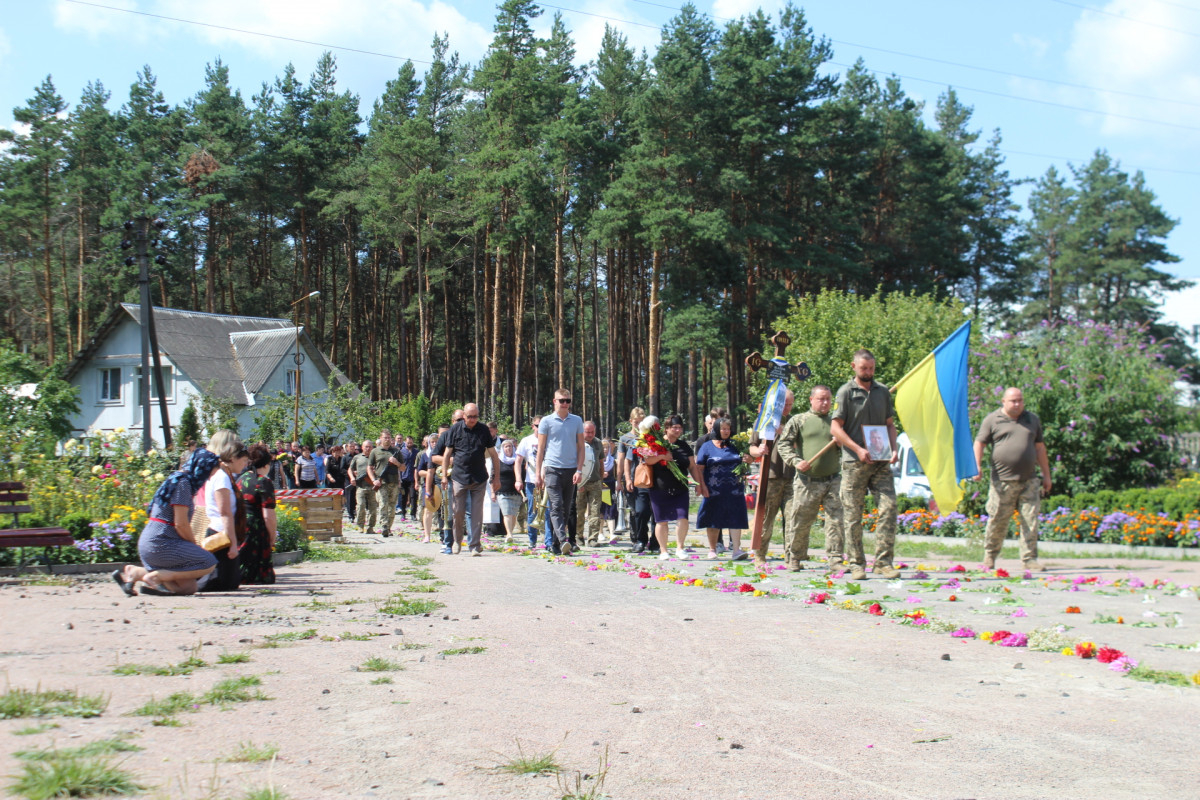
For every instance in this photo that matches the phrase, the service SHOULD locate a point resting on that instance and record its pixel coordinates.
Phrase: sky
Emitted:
(1060, 79)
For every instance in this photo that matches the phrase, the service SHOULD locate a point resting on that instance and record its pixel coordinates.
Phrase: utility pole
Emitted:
(140, 228)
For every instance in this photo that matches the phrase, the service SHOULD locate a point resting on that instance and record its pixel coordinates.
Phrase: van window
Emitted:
(911, 465)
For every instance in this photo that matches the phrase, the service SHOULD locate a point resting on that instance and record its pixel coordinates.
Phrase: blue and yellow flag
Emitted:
(933, 410)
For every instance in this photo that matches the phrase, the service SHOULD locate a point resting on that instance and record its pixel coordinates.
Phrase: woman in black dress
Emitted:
(257, 494)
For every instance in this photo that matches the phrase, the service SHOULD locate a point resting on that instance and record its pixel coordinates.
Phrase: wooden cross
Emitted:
(777, 369)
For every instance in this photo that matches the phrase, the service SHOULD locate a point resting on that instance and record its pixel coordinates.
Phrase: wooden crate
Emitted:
(322, 515)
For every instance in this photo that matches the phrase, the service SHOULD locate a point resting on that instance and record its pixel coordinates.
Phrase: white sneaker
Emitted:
(720, 547)
(712, 554)
(664, 555)
(680, 553)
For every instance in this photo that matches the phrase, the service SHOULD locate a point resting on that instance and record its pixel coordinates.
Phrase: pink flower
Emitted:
(1020, 612)
(817, 598)
(1014, 640)
(1123, 664)
(957, 568)
(963, 633)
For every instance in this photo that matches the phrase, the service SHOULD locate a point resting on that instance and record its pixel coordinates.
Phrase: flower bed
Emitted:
(1131, 527)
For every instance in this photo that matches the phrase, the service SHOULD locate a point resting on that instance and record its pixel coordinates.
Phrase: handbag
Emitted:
(643, 476)
(215, 540)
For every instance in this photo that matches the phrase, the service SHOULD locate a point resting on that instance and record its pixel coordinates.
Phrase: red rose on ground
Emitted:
(1001, 573)
(875, 609)
(1107, 655)
(643, 574)
(745, 587)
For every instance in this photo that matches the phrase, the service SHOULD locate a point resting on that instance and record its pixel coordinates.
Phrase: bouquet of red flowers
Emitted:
(651, 442)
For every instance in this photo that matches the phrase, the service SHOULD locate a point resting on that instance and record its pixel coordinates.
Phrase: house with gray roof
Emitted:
(239, 359)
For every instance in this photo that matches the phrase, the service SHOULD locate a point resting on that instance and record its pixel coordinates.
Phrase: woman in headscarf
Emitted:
(171, 560)
(510, 496)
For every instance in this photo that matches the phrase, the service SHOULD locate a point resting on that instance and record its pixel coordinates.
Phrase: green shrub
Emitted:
(77, 523)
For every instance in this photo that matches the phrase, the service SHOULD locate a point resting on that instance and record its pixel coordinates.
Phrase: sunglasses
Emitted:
(471, 416)
(564, 401)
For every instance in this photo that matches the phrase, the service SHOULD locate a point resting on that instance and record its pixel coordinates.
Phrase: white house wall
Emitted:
(310, 381)
(123, 349)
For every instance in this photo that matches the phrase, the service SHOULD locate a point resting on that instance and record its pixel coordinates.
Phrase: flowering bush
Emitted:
(289, 530)
(1134, 527)
(93, 475)
(1103, 392)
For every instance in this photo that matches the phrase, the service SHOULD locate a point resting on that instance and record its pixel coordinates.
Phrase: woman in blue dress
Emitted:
(724, 506)
(171, 559)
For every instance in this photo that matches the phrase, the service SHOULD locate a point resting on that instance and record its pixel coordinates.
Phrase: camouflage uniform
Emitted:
(857, 480)
(856, 407)
(802, 438)
(1004, 497)
(778, 498)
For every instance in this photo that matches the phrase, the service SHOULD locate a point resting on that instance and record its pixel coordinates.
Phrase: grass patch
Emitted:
(185, 667)
(233, 658)
(379, 664)
(381, 679)
(584, 786)
(523, 764)
(423, 588)
(21, 703)
(230, 690)
(322, 551)
(250, 753)
(402, 606)
(316, 605)
(409, 646)
(234, 690)
(264, 793)
(73, 776)
(292, 636)
(31, 730)
(464, 651)
(416, 560)
(169, 706)
(347, 636)
(417, 574)
(103, 747)
(1167, 676)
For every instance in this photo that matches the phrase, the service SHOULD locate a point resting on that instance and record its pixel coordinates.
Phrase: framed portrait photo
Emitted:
(878, 445)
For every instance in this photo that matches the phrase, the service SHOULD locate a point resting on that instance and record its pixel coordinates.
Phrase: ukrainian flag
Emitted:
(933, 410)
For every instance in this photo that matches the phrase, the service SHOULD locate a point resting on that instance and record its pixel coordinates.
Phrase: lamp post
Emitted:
(298, 359)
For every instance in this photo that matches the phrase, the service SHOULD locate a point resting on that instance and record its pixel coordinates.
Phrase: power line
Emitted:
(1081, 160)
(1027, 99)
(961, 65)
(247, 32)
(1125, 18)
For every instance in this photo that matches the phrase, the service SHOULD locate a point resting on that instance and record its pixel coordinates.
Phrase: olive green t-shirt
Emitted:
(1014, 456)
(856, 407)
(359, 464)
(803, 437)
(385, 471)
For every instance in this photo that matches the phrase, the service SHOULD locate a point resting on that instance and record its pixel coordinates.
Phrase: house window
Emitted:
(168, 379)
(294, 382)
(110, 385)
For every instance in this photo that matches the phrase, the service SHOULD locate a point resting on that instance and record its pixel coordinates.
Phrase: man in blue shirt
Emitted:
(559, 461)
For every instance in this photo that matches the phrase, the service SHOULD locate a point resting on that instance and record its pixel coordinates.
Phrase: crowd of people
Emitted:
(566, 487)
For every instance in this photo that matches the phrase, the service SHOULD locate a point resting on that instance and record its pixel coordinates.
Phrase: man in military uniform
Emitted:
(818, 479)
(863, 401)
(778, 496)
(1017, 448)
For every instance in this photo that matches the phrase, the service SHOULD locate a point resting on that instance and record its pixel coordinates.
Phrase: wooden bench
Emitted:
(13, 500)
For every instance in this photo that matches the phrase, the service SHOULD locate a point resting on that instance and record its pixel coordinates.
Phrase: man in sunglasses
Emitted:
(468, 446)
(559, 461)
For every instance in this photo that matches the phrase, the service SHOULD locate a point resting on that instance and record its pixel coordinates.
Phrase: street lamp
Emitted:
(298, 359)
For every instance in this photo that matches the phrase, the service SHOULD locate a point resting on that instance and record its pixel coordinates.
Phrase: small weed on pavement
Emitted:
(19, 703)
(60, 775)
(379, 664)
(251, 753)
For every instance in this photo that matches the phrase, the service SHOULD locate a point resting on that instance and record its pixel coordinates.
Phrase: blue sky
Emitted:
(1059, 78)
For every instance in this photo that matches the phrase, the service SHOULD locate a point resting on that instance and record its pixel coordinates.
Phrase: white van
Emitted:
(910, 478)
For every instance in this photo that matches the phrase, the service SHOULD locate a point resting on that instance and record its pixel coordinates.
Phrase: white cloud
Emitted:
(402, 28)
(98, 22)
(1154, 59)
(733, 9)
(588, 29)
(1032, 44)
(1180, 307)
